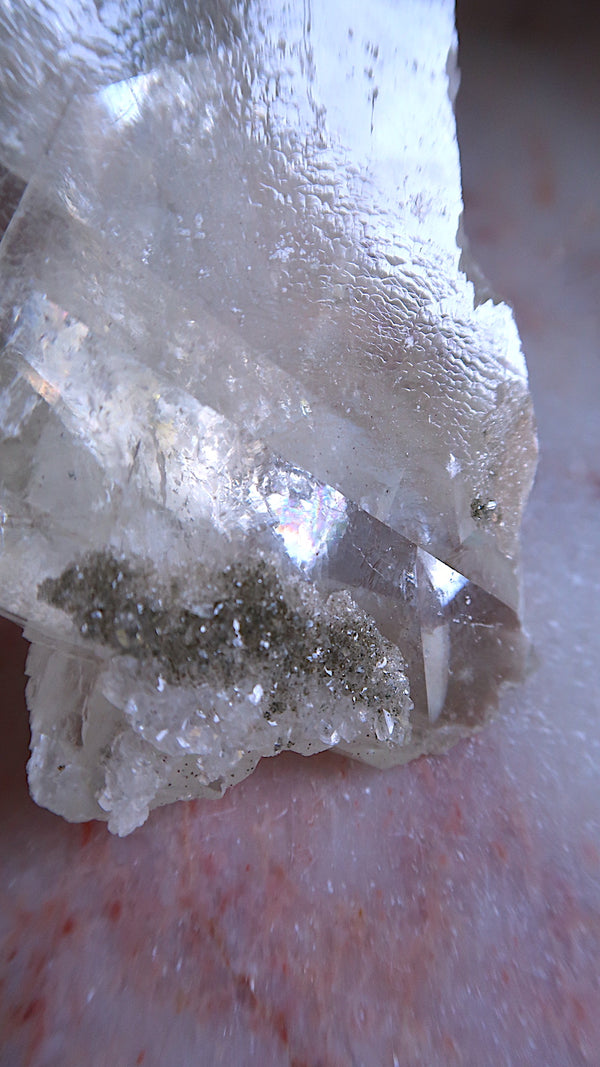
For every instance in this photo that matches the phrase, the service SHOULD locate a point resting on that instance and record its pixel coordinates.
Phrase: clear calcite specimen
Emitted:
(263, 454)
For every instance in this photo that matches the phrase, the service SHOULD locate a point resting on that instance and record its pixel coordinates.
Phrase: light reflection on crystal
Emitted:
(446, 582)
(124, 100)
(307, 525)
(436, 659)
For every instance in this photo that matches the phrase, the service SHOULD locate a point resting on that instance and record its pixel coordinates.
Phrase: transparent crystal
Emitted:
(263, 454)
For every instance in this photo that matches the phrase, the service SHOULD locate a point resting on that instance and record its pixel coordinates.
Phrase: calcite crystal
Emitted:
(264, 452)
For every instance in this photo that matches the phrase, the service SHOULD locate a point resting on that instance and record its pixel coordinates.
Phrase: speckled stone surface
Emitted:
(322, 913)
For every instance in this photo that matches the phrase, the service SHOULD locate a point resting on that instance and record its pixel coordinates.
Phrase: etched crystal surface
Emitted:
(263, 454)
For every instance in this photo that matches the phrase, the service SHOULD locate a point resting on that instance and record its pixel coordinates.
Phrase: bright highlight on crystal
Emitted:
(307, 526)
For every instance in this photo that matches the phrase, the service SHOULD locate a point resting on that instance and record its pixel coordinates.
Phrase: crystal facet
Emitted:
(263, 453)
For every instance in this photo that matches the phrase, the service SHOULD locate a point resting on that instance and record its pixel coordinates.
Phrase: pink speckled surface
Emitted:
(325, 914)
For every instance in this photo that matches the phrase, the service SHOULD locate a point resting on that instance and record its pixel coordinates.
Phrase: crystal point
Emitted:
(263, 454)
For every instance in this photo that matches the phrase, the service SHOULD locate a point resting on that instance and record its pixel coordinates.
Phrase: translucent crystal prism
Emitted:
(263, 455)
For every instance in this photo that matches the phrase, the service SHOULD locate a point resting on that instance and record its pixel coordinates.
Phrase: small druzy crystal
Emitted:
(263, 453)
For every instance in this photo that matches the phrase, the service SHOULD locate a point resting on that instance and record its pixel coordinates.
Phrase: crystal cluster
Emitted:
(263, 450)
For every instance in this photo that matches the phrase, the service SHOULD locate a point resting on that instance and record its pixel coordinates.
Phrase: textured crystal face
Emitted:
(263, 455)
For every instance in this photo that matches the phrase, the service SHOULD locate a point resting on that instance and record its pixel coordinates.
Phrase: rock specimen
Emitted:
(263, 453)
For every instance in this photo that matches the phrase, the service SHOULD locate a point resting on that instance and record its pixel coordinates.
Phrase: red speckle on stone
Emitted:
(449, 1046)
(579, 1010)
(211, 869)
(281, 1027)
(33, 1009)
(276, 879)
(114, 911)
(424, 769)
(68, 926)
(244, 992)
(500, 851)
(455, 823)
(141, 1056)
(39, 962)
(87, 830)
(186, 903)
(30, 1018)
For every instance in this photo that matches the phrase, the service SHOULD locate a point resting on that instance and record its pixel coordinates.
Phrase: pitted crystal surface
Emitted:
(263, 454)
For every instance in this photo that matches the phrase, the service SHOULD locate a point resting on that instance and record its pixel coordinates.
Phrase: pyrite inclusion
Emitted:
(263, 455)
